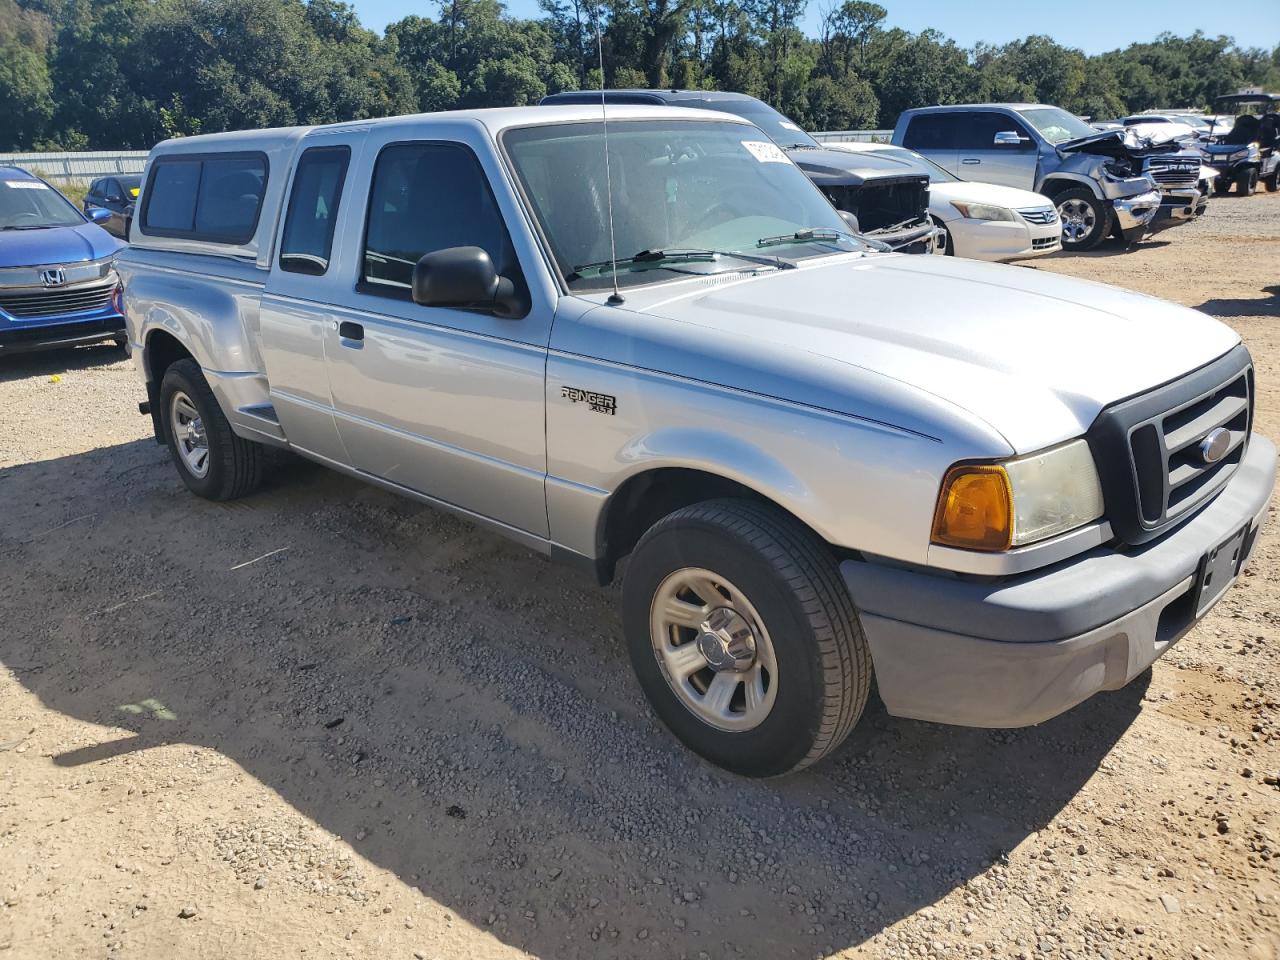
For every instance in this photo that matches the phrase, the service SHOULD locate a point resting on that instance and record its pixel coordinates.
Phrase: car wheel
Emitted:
(1247, 181)
(1086, 220)
(744, 637)
(213, 462)
(1221, 185)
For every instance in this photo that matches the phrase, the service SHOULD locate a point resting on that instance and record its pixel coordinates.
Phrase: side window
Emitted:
(981, 126)
(427, 197)
(93, 192)
(313, 210)
(932, 131)
(216, 198)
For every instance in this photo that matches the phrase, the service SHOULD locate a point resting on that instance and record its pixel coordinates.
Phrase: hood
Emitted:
(1118, 143)
(1034, 355)
(56, 245)
(969, 191)
(840, 167)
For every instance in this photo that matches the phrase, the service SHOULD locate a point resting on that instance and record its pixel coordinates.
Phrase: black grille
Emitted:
(1149, 449)
(1174, 173)
(56, 301)
(1044, 243)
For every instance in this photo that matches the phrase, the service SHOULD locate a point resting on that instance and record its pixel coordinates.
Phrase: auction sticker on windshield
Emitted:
(766, 152)
(24, 184)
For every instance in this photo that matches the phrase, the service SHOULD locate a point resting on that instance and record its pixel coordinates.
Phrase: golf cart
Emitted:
(1249, 151)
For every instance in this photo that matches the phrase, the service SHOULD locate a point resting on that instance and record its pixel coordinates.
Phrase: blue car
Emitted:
(58, 285)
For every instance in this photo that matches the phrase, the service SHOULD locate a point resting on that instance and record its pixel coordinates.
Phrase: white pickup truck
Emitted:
(1000, 490)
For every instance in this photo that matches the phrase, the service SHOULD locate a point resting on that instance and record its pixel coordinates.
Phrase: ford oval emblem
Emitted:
(1214, 446)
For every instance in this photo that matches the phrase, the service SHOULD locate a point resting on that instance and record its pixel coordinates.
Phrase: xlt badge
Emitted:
(596, 402)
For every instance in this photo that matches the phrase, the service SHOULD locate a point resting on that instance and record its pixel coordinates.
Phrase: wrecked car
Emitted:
(1101, 183)
(1247, 152)
(880, 199)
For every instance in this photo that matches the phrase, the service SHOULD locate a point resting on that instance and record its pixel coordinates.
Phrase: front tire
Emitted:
(213, 462)
(1247, 181)
(744, 637)
(1085, 219)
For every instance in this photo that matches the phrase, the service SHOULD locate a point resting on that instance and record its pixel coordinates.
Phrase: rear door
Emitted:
(935, 136)
(447, 402)
(307, 281)
(989, 152)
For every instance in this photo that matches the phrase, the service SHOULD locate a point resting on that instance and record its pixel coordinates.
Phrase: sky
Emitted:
(1093, 26)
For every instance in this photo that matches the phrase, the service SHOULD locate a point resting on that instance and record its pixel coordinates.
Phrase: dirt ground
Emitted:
(324, 722)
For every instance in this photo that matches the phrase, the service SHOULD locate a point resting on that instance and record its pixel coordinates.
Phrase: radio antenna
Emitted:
(615, 297)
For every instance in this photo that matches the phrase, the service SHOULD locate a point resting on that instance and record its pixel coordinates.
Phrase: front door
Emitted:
(989, 153)
(448, 402)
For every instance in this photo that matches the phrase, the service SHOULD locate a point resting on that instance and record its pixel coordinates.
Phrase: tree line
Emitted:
(123, 74)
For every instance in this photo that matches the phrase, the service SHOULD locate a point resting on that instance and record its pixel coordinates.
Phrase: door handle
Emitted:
(350, 330)
(970, 160)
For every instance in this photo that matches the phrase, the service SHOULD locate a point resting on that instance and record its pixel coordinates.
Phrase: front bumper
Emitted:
(1135, 214)
(1020, 650)
(917, 238)
(1000, 241)
(50, 336)
(1178, 206)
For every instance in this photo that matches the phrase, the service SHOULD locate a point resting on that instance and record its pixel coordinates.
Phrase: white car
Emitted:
(982, 221)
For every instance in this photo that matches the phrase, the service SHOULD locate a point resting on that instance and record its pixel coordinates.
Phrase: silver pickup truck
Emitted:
(999, 490)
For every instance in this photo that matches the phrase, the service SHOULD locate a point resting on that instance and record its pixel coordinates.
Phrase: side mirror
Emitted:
(851, 221)
(97, 214)
(463, 277)
(1008, 138)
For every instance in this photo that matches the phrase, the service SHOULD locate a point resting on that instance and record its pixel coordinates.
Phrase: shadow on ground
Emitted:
(1265, 305)
(45, 363)
(462, 713)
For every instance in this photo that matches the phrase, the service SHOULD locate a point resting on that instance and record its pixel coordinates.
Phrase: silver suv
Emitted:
(998, 490)
(1102, 183)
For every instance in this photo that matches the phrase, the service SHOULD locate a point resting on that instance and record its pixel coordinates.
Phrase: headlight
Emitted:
(982, 211)
(995, 506)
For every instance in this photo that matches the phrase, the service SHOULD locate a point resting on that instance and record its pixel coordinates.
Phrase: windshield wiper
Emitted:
(33, 226)
(807, 235)
(657, 258)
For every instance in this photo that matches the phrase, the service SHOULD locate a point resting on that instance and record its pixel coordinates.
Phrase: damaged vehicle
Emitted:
(878, 198)
(1247, 153)
(1101, 183)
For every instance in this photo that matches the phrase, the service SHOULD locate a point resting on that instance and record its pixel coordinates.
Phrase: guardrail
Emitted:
(852, 136)
(66, 168)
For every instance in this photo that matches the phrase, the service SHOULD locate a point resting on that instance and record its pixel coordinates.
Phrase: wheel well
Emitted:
(163, 349)
(646, 498)
(1056, 185)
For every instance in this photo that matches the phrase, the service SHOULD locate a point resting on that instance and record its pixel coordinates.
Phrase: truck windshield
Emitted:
(33, 205)
(1056, 125)
(696, 197)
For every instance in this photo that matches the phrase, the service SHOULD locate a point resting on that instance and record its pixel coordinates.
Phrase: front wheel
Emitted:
(744, 637)
(1247, 181)
(1086, 220)
(213, 462)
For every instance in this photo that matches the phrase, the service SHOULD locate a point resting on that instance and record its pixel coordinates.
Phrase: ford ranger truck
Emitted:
(998, 491)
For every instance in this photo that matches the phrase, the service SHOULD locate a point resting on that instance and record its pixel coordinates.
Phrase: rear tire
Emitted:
(213, 462)
(1272, 182)
(777, 678)
(1086, 220)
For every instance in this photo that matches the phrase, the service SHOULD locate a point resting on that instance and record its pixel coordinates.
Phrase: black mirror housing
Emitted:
(463, 277)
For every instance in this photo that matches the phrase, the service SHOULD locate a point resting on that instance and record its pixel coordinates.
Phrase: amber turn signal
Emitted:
(975, 508)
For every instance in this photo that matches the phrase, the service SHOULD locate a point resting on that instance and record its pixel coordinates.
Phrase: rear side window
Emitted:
(427, 197)
(216, 198)
(313, 210)
(932, 131)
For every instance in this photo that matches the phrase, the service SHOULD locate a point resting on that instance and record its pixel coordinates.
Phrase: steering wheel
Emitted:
(721, 207)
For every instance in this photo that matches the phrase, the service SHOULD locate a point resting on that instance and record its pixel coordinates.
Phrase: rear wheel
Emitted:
(744, 637)
(1273, 181)
(1247, 181)
(213, 462)
(1086, 220)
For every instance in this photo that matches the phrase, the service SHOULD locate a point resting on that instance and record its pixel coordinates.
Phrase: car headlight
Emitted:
(996, 506)
(982, 211)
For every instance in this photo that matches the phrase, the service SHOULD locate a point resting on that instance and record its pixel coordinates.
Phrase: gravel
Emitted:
(403, 737)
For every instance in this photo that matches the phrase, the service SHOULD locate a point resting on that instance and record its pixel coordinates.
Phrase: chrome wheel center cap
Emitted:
(195, 435)
(727, 641)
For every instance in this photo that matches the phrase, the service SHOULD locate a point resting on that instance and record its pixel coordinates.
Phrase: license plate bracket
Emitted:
(1218, 570)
